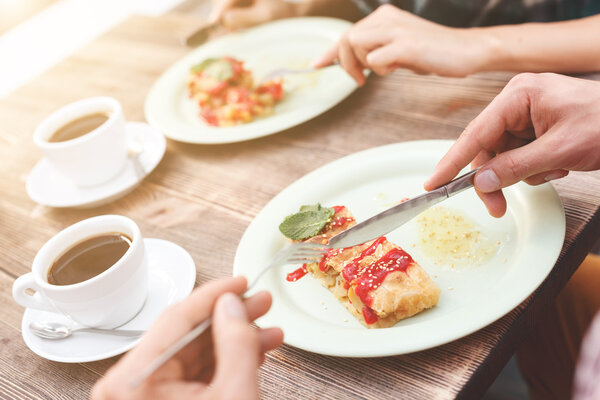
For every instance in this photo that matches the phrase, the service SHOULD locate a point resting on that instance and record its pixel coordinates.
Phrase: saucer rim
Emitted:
(112, 196)
(186, 289)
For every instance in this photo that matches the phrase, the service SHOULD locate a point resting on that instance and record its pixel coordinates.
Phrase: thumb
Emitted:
(237, 349)
(515, 165)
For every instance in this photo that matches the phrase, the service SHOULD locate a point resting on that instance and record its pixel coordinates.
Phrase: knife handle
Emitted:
(460, 184)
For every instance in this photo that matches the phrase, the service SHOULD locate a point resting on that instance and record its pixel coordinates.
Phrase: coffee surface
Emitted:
(78, 127)
(88, 258)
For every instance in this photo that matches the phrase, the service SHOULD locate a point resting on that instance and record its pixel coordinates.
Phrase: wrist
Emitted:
(344, 9)
(492, 50)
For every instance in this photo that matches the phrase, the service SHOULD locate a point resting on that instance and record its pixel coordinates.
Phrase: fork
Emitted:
(300, 252)
(279, 72)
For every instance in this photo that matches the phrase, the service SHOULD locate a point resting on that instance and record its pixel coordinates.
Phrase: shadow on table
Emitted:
(509, 385)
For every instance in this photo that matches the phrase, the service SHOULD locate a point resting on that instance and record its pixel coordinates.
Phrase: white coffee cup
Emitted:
(107, 300)
(90, 159)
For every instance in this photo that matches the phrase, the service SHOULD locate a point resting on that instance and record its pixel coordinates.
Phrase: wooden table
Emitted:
(203, 197)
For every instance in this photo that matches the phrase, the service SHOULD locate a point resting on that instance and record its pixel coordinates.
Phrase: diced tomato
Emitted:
(237, 95)
(237, 66)
(273, 88)
(209, 116)
(219, 86)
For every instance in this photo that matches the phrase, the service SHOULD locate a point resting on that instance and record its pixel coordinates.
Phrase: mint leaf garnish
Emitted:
(215, 68)
(306, 223)
(315, 207)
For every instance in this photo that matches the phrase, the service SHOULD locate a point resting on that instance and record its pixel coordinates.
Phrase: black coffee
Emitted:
(88, 258)
(78, 127)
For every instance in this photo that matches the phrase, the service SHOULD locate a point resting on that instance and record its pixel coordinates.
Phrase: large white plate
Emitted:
(532, 233)
(291, 43)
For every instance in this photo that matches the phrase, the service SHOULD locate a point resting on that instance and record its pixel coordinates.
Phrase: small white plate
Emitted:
(172, 276)
(289, 43)
(47, 186)
(531, 233)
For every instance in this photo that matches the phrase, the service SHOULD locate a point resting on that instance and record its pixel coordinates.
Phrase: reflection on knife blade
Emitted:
(392, 218)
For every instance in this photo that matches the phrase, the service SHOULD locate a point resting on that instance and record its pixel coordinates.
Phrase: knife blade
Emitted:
(201, 35)
(394, 217)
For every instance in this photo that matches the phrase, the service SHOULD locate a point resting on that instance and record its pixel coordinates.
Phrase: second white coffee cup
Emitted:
(94, 157)
(107, 300)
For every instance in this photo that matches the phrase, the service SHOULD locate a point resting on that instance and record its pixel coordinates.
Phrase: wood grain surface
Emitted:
(203, 198)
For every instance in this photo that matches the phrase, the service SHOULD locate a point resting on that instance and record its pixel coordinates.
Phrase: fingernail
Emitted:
(487, 181)
(554, 175)
(233, 306)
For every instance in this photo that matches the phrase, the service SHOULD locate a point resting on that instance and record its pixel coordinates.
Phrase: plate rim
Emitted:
(484, 320)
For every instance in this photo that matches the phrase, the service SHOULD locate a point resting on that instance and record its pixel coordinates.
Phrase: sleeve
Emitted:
(586, 385)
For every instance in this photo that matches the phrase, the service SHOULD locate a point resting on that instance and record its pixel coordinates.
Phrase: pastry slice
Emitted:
(378, 282)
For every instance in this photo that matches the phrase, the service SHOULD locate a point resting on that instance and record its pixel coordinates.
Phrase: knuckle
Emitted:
(353, 37)
(385, 8)
(523, 80)
(513, 166)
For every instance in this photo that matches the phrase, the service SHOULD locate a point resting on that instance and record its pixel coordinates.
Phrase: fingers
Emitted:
(270, 338)
(385, 59)
(350, 62)
(509, 111)
(546, 176)
(258, 304)
(181, 318)
(345, 53)
(495, 202)
(327, 58)
(237, 349)
(513, 166)
(197, 356)
(462, 152)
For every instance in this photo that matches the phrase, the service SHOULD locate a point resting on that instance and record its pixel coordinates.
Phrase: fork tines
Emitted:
(306, 252)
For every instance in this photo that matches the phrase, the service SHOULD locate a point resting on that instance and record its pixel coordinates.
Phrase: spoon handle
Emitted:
(114, 332)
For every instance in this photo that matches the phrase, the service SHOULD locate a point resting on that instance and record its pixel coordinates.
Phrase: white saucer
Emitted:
(172, 277)
(47, 186)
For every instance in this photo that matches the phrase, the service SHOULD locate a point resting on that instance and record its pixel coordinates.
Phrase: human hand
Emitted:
(237, 14)
(540, 127)
(199, 371)
(391, 38)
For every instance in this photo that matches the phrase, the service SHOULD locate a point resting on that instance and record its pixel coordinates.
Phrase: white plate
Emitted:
(292, 43)
(312, 319)
(172, 276)
(47, 186)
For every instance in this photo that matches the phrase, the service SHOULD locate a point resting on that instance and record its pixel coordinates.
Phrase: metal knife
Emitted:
(201, 35)
(392, 218)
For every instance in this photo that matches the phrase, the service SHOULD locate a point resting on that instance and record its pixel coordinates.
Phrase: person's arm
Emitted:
(391, 38)
(540, 127)
(567, 46)
(237, 14)
(223, 366)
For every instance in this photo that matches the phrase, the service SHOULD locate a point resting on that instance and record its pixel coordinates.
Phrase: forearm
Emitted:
(344, 9)
(568, 46)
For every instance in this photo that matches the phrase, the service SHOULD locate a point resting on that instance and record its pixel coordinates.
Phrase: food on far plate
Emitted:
(378, 282)
(226, 95)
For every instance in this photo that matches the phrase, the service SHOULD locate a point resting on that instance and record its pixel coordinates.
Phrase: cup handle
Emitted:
(37, 300)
